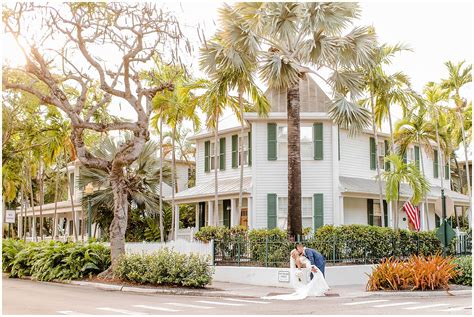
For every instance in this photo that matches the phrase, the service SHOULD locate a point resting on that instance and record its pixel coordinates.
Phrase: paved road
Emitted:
(27, 297)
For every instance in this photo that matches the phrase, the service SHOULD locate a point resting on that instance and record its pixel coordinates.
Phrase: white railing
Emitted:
(186, 234)
(181, 246)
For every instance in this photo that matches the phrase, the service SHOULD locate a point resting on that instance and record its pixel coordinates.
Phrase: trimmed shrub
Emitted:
(464, 265)
(165, 267)
(47, 261)
(270, 246)
(206, 234)
(417, 273)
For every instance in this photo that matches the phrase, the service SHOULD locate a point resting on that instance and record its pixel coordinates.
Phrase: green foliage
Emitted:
(209, 233)
(464, 264)
(165, 267)
(47, 261)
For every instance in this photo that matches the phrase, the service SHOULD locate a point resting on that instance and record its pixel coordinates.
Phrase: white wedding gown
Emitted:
(302, 284)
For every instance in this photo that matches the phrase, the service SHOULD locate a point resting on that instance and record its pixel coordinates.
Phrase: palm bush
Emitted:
(464, 264)
(10, 248)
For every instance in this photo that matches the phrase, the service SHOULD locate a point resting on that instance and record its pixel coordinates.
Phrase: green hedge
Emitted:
(165, 267)
(47, 261)
(464, 264)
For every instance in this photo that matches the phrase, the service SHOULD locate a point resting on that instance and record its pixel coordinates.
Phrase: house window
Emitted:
(213, 154)
(377, 217)
(306, 142)
(244, 147)
(306, 212)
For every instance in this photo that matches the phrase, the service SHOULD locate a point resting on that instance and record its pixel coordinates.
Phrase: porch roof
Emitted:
(227, 186)
(369, 186)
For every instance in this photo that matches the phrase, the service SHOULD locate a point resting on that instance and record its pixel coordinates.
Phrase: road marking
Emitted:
(395, 304)
(425, 306)
(156, 308)
(121, 311)
(189, 305)
(455, 309)
(366, 302)
(69, 312)
(218, 303)
(246, 301)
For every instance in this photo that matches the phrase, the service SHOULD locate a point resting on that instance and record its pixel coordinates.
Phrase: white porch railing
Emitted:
(181, 246)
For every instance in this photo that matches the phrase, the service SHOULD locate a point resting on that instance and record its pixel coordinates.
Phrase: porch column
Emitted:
(176, 219)
(341, 210)
(337, 220)
(20, 226)
(55, 226)
(210, 211)
(233, 212)
(66, 231)
(390, 215)
(197, 217)
(423, 214)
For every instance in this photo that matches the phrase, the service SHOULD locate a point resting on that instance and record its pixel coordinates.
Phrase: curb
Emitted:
(420, 293)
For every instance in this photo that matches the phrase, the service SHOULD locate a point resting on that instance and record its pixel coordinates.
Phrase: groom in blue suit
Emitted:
(316, 258)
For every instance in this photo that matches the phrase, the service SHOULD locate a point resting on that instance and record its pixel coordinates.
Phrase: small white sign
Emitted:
(284, 276)
(10, 216)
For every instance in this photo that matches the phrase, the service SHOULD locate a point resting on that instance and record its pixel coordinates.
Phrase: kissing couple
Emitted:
(306, 274)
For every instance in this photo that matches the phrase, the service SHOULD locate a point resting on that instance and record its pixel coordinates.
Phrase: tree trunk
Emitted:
(379, 179)
(175, 221)
(41, 196)
(162, 234)
(118, 226)
(24, 223)
(427, 214)
(71, 197)
(33, 234)
(56, 189)
(468, 178)
(294, 162)
(241, 153)
(216, 186)
(392, 140)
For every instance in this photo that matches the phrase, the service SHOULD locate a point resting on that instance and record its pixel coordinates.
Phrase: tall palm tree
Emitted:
(301, 36)
(458, 76)
(237, 60)
(403, 173)
(173, 107)
(415, 129)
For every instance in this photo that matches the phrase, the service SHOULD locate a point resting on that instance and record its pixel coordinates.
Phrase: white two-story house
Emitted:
(337, 171)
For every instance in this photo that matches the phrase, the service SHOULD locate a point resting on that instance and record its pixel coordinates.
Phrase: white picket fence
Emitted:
(181, 246)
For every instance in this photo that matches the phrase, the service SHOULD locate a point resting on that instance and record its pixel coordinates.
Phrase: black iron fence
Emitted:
(242, 251)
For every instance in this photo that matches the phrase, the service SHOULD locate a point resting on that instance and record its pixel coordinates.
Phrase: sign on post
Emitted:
(450, 234)
(449, 206)
(284, 276)
(10, 216)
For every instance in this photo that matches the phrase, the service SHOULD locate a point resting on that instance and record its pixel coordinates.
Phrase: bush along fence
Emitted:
(346, 244)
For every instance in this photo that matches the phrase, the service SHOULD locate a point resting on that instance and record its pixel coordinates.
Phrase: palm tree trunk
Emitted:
(392, 140)
(216, 186)
(56, 189)
(20, 222)
(162, 237)
(294, 162)
(468, 178)
(427, 214)
(241, 153)
(118, 226)
(71, 197)
(174, 223)
(24, 199)
(379, 179)
(33, 234)
(440, 157)
(41, 198)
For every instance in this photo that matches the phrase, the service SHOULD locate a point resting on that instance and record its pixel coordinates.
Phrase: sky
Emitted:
(436, 32)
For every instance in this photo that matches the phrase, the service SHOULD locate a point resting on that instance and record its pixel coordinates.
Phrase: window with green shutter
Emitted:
(417, 156)
(207, 151)
(318, 140)
(250, 148)
(271, 141)
(435, 164)
(372, 154)
(387, 153)
(370, 212)
(318, 210)
(271, 211)
(222, 154)
(235, 150)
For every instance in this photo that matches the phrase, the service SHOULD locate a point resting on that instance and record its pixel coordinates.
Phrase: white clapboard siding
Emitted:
(355, 155)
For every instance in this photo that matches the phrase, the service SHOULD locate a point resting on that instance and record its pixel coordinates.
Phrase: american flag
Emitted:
(413, 214)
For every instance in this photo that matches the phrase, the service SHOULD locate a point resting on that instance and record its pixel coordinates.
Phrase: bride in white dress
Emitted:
(300, 270)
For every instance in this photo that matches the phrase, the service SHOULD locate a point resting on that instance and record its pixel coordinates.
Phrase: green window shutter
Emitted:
(435, 164)
(318, 140)
(387, 152)
(417, 156)
(271, 141)
(222, 154)
(250, 149)
(385, 213)
(437, 221)
(235, 151)
(372, 154)
(207, 152)
(318, 211)
(271, 211)
(370, 212)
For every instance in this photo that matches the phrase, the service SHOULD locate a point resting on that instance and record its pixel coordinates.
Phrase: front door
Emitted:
(202, 214)
(226, 212)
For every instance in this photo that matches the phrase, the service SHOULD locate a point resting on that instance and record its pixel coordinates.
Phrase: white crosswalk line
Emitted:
(69, 312)
(246, 301)
(366, 302)
(425, 306)
(218, 303)
(455, 309)
(121, 311)
(156, 308)
(189, 305)
(395, 304)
